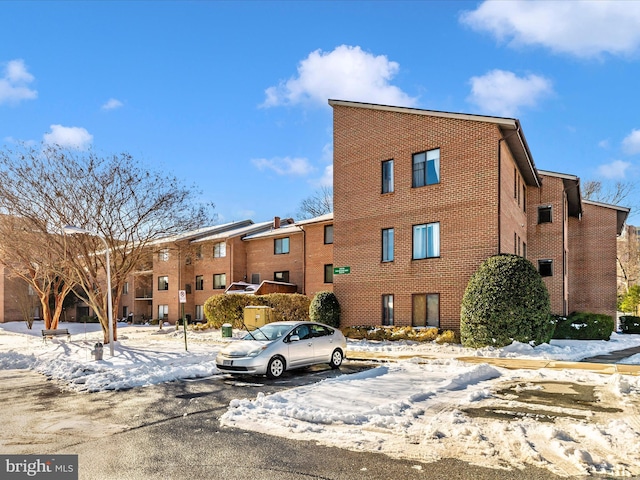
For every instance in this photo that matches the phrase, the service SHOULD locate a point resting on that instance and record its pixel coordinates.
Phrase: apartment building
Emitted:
(422, 198)
(247, 257)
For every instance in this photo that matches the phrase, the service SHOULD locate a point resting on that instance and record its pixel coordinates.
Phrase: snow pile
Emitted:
(424, 407)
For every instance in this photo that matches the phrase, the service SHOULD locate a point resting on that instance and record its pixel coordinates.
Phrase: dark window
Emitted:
(281, 276)
(545, 214)
(163, 283)
(219, 281)
(387, 309)
(387, 176)
(328, 273)
(545, 267)
(426, 168)
(281, 245)
(387, 245)
(187, 288)
(524, 197)
(426, 310)
(328, 234)
(199, 282)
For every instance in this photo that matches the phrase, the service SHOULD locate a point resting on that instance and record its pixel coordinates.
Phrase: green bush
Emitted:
(505, 300)
(325, 309)
(630, 324)
(584, 326)
(401, 333)
(220, 309)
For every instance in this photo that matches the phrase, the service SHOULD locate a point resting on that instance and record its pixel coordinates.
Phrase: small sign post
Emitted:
(182, 295)
(341, 270)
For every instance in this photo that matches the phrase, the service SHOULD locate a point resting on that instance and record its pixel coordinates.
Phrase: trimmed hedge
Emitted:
(584, 326)
(505, 301)
(220, 309)
(630, 324)
(325, 309)
(401, 333)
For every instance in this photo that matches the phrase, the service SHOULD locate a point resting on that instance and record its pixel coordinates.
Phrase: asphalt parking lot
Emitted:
(171, 431)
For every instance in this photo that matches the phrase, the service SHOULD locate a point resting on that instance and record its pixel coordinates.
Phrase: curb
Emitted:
(511, 363)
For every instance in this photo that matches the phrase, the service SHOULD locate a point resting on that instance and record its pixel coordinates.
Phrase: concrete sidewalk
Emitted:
(518, 363)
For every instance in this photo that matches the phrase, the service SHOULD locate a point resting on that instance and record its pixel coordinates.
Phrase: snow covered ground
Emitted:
(421, 409)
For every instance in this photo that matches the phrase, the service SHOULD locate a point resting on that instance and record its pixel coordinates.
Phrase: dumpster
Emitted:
(257, 316)
(97, 351)
(227, 330)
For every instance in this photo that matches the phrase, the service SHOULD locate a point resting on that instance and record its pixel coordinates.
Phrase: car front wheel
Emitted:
(275, 368)
(336, 358)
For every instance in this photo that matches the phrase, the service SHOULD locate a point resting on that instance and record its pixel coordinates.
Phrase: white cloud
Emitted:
(614, 170)
(14, 83)
(584, 28)
(631, 143)
(503, 93)
(346, 73)
(76, 138)
(112, 104)
(604, 144)
(285, 166)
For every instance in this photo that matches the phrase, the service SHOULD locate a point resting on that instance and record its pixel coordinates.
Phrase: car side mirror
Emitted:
(294, 338)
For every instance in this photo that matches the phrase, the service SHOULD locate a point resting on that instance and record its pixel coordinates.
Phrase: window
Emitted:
(163, 255)
(387, 245)
(199, 282)
(199, 312)
(255, 278)
(219, 281)
(125, 312)
(281, 245)
(163, 283)
(426, 310)
(545, 214)
(328, 273)
(426, 241)
(220, 250)
(524, 197)
(199, 252)
(524, 249)
(125, 289)
(387, 309)
(328, 234)
(545, 267)
(387, 176)
(187, 288)
(163, 312)
(281, 276)
(426, 168)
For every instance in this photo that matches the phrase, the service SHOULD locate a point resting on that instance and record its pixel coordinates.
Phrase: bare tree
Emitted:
(27, 304)
(612, 193)
(113, 196)
(319, 203)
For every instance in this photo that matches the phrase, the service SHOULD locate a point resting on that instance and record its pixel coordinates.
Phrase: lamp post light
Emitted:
(72, 230)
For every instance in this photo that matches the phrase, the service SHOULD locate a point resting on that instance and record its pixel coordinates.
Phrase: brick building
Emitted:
(422, 198)
(259, 257)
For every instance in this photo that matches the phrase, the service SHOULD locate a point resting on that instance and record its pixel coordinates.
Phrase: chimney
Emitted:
(276, 222)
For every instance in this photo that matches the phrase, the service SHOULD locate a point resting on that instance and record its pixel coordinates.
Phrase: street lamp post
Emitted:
(72, 230)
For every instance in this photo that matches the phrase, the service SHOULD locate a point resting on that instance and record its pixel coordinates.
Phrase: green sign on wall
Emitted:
(341, 270)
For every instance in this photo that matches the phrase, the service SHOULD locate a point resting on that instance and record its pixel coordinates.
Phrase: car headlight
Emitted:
(256, 352)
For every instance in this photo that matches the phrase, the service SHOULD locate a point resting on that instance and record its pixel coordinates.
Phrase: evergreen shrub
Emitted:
(584, 326)
(505, 301)
(324, 308)
(630, 324)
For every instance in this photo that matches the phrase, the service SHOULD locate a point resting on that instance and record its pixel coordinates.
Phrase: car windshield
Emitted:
(268, 332)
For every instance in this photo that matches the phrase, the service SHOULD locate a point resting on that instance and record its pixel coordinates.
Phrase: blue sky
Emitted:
(232, 96)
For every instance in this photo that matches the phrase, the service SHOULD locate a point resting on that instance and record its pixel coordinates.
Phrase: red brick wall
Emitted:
(262, 259)
(513, 217)
(546, 240)
(592, 261)
(465, 202)
(318, 254)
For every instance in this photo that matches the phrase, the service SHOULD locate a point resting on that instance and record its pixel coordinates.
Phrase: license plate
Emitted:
(227, 363)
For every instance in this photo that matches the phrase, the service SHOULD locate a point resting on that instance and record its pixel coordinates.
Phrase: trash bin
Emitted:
(97, 351)
(227, 331)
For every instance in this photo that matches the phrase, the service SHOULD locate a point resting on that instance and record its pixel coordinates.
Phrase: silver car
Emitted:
(279, 346)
